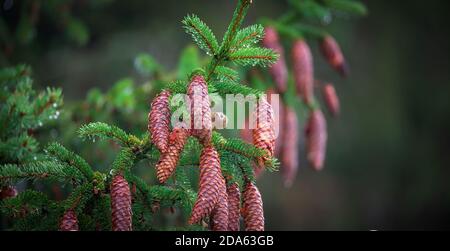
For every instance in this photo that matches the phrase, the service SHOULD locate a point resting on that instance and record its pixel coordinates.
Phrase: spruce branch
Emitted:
(233, 28)
(13, 74)
(201, 34)
(124, 160)
(101, 212)
(253, 56)
(28, 202)
(348, 6)
(236, 22)
(63, 155)
(178, 86)
(240, 147)
(40, 170)
(248, 37)
(236, 168)
(229, 87)
(105, 131)
(224, 73)
(79, 198)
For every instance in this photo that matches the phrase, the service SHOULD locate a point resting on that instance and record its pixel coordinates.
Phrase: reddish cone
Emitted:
(316, 139)
(210, 184)
(201, 124)
(278, 120)
(8, 192)
(333, 54)
(303, 70)
(168, 161)
(234, 205)
(278, 71)
(69, 221)
(219, 216)
(252, 209)
(331, 99)
(289, 155)
(158, 121)
(264, 133)
(120, 204)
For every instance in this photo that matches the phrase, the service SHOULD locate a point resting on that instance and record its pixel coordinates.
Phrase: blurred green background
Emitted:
(388, 157)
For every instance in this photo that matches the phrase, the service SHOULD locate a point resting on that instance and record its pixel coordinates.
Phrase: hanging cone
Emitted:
(278, 113)
(201, 124)
(252, 209)
(264, 133)
(169, 160)
(316, 139)
(333, 54)
(247, 136)
(303, 70)
(234, 205)
(209, 185)
(69, 221)
(289, 156)
(331, 99)
(8, 192)
(120, 204)
(158, 121)
(278, 71)
(219, 216)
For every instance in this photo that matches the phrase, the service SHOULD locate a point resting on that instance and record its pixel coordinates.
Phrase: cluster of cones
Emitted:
(121, 213)
(316, 128)
(217, 199)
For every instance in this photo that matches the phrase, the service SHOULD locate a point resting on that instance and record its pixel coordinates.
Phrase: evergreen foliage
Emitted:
(25, 112)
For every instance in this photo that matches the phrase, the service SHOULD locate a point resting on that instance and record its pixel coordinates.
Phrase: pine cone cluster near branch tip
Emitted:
(158, 121)
(278, 71)
(219, 216)
(316, 139)
(331, 99)
(264, 133)
(333, 54)
(303, 70)
(200, 107)
(8, 192)
(289, 154)
(210, 184)
(120, 204)
(69, 221)
(252, 209)
(168, 161)
(234, 205)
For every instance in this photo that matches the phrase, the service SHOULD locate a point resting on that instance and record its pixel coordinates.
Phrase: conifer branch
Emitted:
(177, 86)
(25, 203)
(201, 34)
(79, 197)
(105, 131)
(240, 147)
(353, 7)
(63, 155)
(224, 73)
(248, 37)
(124, 160)
(229, 87)
(236, 22)
(253, 56)
(40, 170)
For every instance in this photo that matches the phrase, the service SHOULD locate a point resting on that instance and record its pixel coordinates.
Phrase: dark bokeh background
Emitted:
(388, 157)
